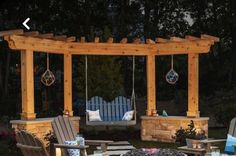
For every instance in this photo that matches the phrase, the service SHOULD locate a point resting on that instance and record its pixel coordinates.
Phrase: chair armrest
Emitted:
(98, 142)
(70, 146)
(212, 141)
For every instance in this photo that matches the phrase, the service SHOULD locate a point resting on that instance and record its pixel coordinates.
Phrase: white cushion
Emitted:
(128, 115)
(72, 152)
(94, 115)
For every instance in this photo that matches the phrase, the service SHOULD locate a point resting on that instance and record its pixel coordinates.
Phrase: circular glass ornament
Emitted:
(172, 76)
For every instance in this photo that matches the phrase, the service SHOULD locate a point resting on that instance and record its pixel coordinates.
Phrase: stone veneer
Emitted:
(164, 128)
(40, 126)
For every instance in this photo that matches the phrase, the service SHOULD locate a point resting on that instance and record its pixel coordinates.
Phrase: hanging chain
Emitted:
(47, 61)
(133, 83)
(172, 61)
(86, 81)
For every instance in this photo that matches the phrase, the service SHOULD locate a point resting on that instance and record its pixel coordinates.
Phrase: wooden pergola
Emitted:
(29, 42)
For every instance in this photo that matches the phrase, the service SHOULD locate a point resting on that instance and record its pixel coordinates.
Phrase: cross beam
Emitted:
(63, 47)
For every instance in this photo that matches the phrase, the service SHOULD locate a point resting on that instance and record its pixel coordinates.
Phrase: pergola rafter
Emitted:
(63, 44)
(29, 42)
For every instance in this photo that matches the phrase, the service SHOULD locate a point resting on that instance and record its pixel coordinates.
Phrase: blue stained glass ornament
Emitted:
(172, 76)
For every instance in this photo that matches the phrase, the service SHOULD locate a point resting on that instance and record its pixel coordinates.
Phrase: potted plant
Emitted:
(189, 136)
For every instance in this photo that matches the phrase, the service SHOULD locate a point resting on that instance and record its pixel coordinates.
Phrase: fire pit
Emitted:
(159, 152)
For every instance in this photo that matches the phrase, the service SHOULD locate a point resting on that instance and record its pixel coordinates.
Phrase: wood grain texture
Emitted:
(193, 90)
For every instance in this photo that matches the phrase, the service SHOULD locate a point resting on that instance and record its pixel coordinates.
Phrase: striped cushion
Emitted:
(72, 152)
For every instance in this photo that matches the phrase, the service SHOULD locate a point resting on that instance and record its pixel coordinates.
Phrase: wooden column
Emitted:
(193, 108)
(151, 85)
(27, 85)
(68, 84)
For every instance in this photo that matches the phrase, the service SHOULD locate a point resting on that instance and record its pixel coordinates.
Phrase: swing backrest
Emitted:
(110, 111)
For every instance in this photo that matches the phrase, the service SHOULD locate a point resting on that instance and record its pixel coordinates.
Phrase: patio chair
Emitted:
(33, 146)
(64, 131)
(232, 131)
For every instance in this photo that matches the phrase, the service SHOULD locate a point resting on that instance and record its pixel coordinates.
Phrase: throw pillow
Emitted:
(128, 115)
(94, 115)
(72, 152)
(229, 148)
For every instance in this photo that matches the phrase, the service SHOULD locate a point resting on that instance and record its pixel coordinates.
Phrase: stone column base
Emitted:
(40, 127)
(163, 129)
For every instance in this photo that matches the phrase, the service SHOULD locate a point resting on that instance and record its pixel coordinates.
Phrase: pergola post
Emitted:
(151, 85)
(27, 85)
(193, 107)
(68, 84)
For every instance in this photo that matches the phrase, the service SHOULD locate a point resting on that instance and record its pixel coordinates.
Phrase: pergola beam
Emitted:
(149, 41)
(213, 38)
(191, 38)
(124, 40)
(177, 39)
(63, 47)
(110, 40)
(161, 40)
(45, 36)
(71, 39)
(11, 32)
(96, 40)
(31, 33)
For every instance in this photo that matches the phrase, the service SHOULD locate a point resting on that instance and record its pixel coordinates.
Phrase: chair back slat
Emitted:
(121, 112)
(232, 127)
(30, 145)
(110, 111)
(117, 114)
(113, 112)
(101, 108)
(105, 113)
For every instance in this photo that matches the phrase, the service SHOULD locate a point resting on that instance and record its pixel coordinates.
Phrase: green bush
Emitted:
(190, 133)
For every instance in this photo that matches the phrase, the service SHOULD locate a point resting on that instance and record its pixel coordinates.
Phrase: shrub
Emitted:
(190, 133)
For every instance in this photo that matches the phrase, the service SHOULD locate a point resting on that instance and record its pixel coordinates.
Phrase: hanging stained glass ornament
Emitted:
(172, 76)
(48, 77)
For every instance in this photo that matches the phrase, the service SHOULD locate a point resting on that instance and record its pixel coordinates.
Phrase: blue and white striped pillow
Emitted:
(73, 152)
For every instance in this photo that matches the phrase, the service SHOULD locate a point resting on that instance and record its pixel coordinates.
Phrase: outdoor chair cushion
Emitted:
(128, 115)
(72, 152)
(94, 115)
(229, 148)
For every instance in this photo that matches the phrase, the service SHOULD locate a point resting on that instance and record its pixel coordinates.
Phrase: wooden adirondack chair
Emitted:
(64, 131)
(32, 146)
(232, 131)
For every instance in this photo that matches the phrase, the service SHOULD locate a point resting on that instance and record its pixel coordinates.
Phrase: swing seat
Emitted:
(111, 112)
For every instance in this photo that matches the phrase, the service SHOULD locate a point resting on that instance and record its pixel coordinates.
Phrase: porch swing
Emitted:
(111, 113)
